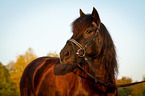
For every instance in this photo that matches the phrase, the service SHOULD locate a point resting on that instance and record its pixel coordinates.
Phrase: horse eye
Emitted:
(89, 31)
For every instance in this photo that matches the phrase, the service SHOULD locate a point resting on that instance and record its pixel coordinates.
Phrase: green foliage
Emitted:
(5, 82)
(143, 93)
(127, 90)
(135, 90)
(138, 90)
(124, 91)
(16, 68)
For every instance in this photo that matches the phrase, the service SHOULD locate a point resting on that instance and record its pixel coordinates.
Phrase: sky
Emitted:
(45, 26)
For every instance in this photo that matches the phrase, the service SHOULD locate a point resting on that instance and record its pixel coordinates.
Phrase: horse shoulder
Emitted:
(33, 74)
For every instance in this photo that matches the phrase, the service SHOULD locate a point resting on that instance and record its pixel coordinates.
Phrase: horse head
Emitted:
(91, 40)
(86, 31)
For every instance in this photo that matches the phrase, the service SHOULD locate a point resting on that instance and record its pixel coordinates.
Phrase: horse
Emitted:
(87, 65)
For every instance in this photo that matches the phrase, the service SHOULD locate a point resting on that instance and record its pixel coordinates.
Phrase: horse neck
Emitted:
(100, 68)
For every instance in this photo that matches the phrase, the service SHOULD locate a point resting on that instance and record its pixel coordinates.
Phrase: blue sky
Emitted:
(45, 26)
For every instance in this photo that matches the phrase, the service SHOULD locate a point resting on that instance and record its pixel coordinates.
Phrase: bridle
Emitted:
(81, 48)
(83, 55)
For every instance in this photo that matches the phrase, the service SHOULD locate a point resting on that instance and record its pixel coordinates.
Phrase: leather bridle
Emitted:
(82, 50)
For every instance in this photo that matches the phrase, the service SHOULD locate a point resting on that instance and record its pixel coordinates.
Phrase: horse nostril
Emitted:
(66, 55)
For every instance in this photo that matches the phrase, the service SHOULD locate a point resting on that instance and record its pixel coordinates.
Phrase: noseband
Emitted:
(81, 48)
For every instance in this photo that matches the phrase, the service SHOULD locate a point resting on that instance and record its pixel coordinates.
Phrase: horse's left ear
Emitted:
(81, 12)
(95, 16)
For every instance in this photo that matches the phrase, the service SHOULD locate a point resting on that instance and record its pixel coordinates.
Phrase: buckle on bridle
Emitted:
(81, 52)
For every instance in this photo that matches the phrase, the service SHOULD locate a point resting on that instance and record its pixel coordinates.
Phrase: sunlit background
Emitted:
(45, 26)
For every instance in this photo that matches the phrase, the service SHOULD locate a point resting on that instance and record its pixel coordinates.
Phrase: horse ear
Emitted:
(81, 12)
(95, 16)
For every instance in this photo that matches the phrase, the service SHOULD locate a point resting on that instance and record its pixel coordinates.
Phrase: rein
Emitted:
(83, 55)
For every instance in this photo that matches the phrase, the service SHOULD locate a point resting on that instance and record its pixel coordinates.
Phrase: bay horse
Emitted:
(87, 64)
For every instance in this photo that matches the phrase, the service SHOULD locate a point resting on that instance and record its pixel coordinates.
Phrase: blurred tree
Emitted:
(5, 82)
(54, 54)
(126, 91)
(139, 89)
(10, 66)
(143, 94)
(124, 80)
(16, 69)
(135, 90)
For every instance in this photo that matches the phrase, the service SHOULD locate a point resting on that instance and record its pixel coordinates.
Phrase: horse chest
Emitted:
(81, 91)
